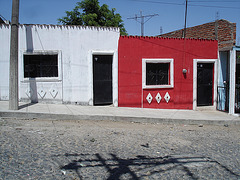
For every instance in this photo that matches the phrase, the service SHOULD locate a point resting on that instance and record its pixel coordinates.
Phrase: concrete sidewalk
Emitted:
(77, 112)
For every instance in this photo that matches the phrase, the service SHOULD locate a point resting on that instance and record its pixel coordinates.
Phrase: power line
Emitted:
(142, 22)
(215, 1)
(3, 17)
(227, 7)
(160, 2)
(181, 4)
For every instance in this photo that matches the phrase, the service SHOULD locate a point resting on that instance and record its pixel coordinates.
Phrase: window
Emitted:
(40, 65)
(157, 73)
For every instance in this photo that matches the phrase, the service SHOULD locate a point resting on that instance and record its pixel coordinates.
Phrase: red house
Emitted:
(167, 73)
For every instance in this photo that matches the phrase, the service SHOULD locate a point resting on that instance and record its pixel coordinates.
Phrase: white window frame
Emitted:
(161, 60)
(114, 53)
(195, 62)
(43, 79)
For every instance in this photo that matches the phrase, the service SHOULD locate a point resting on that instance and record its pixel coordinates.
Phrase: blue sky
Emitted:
(171, 12)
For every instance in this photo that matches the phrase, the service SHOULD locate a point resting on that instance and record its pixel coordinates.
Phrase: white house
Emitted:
(63, 64)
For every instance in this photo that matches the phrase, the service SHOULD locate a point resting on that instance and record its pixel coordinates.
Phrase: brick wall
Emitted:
(222, 30)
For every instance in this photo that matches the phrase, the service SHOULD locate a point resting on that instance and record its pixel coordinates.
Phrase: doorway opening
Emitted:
(205, 83)
(102, 80)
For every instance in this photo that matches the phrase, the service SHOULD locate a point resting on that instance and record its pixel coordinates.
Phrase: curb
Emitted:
(29, 115)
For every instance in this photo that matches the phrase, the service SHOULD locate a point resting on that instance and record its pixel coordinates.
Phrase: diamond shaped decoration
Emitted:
(53, 91)
(158, 98)
(28, 92)
(149, 98)
(167, 97)
(42, 93)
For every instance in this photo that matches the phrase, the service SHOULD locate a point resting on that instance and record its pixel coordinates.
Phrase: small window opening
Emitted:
(157, 73)
(40, 66)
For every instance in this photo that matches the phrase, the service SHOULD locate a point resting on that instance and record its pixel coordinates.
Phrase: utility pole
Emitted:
(185, 24)
(216, 25)
(13, 75)
(142, 22)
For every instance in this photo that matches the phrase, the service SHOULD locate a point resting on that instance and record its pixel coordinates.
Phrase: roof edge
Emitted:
(198, 25)
(68, 26)
(159, 37)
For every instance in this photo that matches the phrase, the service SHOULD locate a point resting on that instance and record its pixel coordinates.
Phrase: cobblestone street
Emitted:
(45, 149)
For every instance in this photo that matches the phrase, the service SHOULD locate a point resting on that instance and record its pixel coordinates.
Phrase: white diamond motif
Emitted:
(149, 98)
(158, 98)
(42, 93)
(167, 97)
(28, 92)
(53, 91)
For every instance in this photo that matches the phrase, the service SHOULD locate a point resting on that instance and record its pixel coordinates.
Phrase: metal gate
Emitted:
(237, 98)
(223, 98)
(102, 79)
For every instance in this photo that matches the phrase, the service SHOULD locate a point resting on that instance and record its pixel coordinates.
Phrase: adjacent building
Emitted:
(61, 64)
(225, 32)
(167, 73)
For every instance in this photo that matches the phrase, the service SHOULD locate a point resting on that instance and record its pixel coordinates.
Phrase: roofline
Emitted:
(200, 25)
(74, 26)
(159, 37)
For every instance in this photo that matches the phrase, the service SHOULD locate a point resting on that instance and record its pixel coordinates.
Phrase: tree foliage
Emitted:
(90, 13)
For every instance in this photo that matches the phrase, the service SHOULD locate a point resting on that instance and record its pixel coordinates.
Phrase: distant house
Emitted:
(225, 32)
(222, 30)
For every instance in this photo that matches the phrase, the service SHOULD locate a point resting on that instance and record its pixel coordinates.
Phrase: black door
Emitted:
(102, 79)
(204, 84)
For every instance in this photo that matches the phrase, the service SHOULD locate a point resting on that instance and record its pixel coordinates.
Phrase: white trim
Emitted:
(159, 60)
(114, 74)
(232, 82)
(195, 61)
(42, 79)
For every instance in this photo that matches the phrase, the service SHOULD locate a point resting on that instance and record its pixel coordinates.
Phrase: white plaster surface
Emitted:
(74, 46)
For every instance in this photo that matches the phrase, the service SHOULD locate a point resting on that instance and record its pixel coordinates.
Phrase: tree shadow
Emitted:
(140, 166)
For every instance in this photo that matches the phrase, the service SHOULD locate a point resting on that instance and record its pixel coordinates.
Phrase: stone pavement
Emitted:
(53, 149)
(77, 112)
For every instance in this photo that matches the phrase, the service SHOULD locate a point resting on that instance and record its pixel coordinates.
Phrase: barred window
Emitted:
(40, 66)
(157, 73)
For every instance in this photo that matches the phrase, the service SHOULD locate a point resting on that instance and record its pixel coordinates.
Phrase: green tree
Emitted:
(90, 13)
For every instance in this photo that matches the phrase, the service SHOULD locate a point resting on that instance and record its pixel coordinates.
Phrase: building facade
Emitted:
(167, 73)
(225, 32)
(57, 63)
(95, 66)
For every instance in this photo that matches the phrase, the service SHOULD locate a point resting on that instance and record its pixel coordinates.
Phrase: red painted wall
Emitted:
(130, 54)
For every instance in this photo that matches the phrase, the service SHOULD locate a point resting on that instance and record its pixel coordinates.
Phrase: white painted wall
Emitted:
(74, 46)
(4, 61)
(232, 83)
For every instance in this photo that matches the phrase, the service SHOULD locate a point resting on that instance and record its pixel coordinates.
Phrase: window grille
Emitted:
(40, 66)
